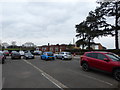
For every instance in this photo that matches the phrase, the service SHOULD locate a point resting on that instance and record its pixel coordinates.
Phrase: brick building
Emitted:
(55, 48)
(95, 46)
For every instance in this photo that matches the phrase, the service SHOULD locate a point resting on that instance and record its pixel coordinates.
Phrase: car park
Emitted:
(6, 52)
(15, 55)
(64, 55)
(104, 61)
(28, 56)
(47, 56)
(2, 58)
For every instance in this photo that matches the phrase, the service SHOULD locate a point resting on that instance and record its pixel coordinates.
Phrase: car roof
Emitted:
(48, 52)
(102, 52)
(65, 52)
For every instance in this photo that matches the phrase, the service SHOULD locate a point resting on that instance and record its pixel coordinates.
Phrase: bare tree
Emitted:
(29, 44)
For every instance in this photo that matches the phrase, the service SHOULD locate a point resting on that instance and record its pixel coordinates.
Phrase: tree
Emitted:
(5, 44)
(13, 43)
(94, 26)
(112, 9)
(28, 44)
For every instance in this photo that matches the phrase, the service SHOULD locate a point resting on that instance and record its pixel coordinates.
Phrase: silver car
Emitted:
(64, 55)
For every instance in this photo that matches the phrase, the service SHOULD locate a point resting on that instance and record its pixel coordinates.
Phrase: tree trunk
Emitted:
(89, 43)
(116, 25)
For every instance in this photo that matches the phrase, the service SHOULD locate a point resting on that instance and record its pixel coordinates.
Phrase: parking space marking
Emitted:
(47, 76)
(96, 79)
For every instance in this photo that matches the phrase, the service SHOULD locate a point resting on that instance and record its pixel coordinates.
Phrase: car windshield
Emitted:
(1, 54)
(50, 54)
(28, 54)
(15, 53)
(114, 57)
(5, 51)
(68, 53)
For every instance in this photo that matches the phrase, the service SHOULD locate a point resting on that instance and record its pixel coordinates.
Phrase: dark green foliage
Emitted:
(112, 9)
(96, 26)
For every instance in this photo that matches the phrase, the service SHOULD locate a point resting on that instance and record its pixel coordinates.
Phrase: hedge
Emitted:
(82, 51)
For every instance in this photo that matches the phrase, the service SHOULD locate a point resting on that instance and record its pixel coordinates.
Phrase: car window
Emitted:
(50, 54)
(61, 52)
(101, 56)
(68, 53)
(113, 57)
(92, 55)
(1, 54)
(89, 55)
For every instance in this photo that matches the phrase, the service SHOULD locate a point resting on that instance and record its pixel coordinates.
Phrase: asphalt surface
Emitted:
(37, 73)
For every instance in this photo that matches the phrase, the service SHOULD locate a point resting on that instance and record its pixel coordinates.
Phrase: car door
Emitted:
(60, 55)
(44, 55)
(101, 64)
(91, 57)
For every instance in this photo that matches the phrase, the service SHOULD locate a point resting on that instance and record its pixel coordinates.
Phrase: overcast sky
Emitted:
(45, 21)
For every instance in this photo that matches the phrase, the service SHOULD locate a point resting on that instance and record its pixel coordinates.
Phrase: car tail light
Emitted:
(81, 57)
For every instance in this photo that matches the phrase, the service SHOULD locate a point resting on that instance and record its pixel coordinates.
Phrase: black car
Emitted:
(28, 56)
(15, 55)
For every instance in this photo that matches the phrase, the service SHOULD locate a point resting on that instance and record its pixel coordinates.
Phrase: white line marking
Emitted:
(80, 74)
(54, 81)
(97, 79)
(50, 78)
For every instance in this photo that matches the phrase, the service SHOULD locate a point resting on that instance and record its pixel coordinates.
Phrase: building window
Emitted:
(56, 49)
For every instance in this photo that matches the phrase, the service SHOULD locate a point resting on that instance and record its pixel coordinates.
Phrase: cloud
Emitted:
(43, 22)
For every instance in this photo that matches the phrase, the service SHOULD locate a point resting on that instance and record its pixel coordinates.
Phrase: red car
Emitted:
(104, 61)
(6, 52)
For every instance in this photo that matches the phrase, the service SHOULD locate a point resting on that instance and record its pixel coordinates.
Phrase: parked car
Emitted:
(15, 55)
(6, 52)
(64, 55)
(37, 52)
(104, 61)
(21, 53)
(2, 58)
(47, 56)
(28, 56)
(12, 52)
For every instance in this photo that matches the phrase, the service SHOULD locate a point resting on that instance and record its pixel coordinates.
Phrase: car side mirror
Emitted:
(107, 60)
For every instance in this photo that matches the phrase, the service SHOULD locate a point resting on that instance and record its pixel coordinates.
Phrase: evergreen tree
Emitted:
(112, 9)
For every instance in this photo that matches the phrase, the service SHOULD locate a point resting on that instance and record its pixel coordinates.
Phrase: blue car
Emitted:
(47, 56)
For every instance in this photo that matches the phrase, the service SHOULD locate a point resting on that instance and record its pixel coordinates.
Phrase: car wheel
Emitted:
(85, 67)
(116, 74)
(45, 59)
(3, 61)
(62, 58)
(26, 58)
(41, 58)
(56, 57)
(53, 58)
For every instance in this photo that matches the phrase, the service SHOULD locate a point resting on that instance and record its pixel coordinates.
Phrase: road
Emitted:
(37, 73)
